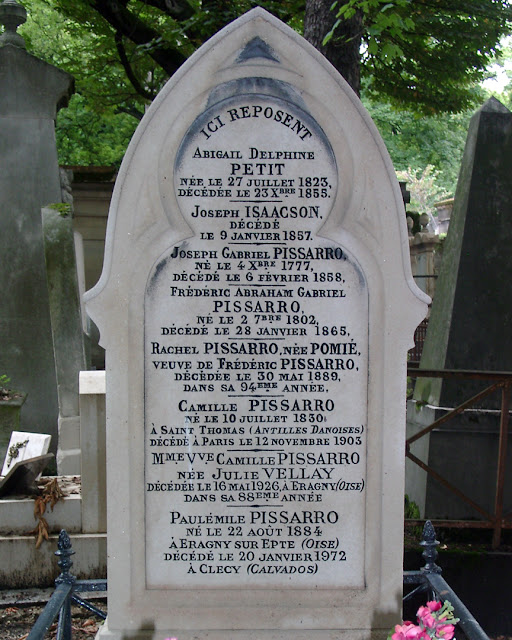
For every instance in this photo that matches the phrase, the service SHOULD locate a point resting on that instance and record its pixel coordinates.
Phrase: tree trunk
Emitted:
(343, 50)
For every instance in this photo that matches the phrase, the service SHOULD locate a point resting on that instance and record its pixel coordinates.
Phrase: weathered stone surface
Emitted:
(471, 311)
(67, 329)
(93, 451)
(21, 478)
(468, 327)
(256, 306)
(30, 91)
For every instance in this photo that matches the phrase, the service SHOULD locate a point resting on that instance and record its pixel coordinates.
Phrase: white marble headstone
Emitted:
(256, 307)
(24, 445)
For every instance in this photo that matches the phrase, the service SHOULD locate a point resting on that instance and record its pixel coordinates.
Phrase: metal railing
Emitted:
(67, 588)
(500, 381)
(430, 582)
(427, 581)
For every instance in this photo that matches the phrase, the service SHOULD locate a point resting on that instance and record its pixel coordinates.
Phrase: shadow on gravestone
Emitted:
(256, 306)
(21, 480)
(469, 326)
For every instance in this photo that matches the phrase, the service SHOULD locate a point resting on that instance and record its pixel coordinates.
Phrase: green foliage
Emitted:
(427, 55)
(103, 113)
(63, 208)
(412, 512)
(423, 56)
(386, 19)
(504, 60)
(424, 188)
(416, 142)
(116, 77)
(87, 135)
(4, 380)
(411, 509)
(5, 391)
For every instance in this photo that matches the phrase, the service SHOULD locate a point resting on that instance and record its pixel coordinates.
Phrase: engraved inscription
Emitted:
(256, 365)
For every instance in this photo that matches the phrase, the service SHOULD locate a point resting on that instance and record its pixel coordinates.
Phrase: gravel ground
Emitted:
(16, 622)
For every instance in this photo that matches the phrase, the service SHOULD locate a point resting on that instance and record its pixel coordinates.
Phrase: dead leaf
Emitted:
(89, 622)
(11, 609)
(51, 493)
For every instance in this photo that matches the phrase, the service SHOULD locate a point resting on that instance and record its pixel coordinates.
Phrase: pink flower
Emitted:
(425, 617)
(445, 631)
(409, 631)
(433, 605)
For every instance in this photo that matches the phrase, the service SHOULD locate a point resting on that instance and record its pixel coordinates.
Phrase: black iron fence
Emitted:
(427, 583)
(66, 593)
(499, 382)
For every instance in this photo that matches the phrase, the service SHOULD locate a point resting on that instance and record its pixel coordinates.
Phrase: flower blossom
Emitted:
(409, 631)
(426, 618)
(445, 631)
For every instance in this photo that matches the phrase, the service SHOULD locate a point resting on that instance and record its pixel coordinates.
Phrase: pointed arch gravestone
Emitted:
(256, 307)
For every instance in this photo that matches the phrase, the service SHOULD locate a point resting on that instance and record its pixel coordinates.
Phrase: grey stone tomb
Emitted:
(30, 93)
(256, 306)
(67, 329)
(469, 326)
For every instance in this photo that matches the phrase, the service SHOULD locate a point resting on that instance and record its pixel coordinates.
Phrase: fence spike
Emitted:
(429, 542)
(64, 553)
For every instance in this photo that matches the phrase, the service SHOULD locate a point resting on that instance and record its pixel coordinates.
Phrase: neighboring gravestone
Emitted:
(22, 446)
(30, 92)
(256, 307)
(21, 479)
(67, 329)
(469, 325)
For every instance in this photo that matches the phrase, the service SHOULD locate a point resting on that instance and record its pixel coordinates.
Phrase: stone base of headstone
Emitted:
(22, 566)
(104, 633)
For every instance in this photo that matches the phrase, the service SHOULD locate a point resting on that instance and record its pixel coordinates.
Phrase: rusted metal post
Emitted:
(502, 462)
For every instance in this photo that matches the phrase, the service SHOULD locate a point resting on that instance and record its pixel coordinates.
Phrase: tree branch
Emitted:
(133, 28)
(142, 91)
(130, 110)
(177, 9)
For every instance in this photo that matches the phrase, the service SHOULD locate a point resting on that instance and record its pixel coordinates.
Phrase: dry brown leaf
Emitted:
(39, 507)
(51, 494)
(11, 609)
(41, 531)
(88, 622)
(91, 630)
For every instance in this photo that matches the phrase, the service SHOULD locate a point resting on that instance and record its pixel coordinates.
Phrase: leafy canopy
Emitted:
(417, 57)
(426, 55)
